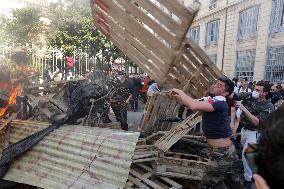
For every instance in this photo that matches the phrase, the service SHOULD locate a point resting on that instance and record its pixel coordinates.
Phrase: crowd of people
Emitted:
(245, 108)
(249, 110)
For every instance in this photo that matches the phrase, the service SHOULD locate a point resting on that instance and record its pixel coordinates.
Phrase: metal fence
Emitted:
(274, 68)
(83, 62)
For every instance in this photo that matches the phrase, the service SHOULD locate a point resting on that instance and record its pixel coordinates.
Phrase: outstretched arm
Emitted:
(193, 104)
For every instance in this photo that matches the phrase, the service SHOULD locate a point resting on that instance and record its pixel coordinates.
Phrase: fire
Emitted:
(12, 99)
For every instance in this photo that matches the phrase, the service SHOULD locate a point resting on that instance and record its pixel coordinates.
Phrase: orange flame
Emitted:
(12, 99)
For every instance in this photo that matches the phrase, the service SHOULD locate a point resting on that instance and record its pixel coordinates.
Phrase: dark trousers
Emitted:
(120, 112)
(134, 103)
(144, 97)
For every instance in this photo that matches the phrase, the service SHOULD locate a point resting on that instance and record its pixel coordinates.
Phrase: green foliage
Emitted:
(25, 27)
(4, 37)
(75, 30)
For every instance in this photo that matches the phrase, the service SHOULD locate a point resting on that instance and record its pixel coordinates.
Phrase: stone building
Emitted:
(245, 38)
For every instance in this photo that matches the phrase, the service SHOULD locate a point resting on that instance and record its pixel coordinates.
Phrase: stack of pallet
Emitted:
(170, 153)
(150, 165)
(153, 35)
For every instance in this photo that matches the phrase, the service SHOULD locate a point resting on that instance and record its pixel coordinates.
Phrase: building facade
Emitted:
(245, 38)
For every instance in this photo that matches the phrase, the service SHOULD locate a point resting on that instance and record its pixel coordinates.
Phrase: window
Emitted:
(277, 16)
(245, 64)
(212, 31)
(213, 57)
(194, 34)
(274, 68)
(212, 4)
(248, 23)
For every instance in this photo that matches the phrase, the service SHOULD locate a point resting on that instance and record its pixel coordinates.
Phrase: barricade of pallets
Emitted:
(156, 108)
(153, 35)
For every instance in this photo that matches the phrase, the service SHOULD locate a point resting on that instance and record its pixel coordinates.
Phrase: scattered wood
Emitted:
(142, 175)
(176, 133)
(157, 108)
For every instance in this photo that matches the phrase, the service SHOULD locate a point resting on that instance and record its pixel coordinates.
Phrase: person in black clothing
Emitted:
(135, 86)
(120, 99)
(46, 73)
(276, 94)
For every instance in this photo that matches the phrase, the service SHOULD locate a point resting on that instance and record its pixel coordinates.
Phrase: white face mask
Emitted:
(255, 94)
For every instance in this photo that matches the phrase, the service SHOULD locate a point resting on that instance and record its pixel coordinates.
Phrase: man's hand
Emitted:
(240, 105)
(260, 182)
(179, 95)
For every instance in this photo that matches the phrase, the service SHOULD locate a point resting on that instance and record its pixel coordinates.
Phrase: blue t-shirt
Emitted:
(216, 124)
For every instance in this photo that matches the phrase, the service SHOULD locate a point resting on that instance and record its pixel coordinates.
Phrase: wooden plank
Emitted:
(137, 182)
(157, 28)
(130, 51)
(171, 182)
(170, 112)
(146, 114)
(136, 29)
(162, 17)
(146, 180)
(156, 61)
(178, 175)
(178, 9)
(165, 179)
(137, 56)
(203, 57)
(154, 111)
(176, 133)
(145, 160)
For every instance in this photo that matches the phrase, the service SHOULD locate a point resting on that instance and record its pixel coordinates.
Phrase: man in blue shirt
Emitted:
(216, 128)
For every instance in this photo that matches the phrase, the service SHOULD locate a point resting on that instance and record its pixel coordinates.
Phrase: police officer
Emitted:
(120, 100)
(255, 108)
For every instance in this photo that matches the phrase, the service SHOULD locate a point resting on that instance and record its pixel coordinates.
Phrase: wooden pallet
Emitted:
(153, 35)
(48, 87)
(145, 153)
(142, 176)
(157, 107)
(176, 167)
(177, 132)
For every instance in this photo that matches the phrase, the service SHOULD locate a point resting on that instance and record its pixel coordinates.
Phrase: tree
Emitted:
(25, 27)
(3, 32)
(75, 30)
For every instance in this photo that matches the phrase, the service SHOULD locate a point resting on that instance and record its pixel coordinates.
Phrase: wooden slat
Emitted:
(203, 57)
(178, 9)
(155, 111)
(161, 17)
(176, 133)
(209, 74)
(146, 180)
(173, 184)
(137, 57)
(136, 29)
(137, 182)
(146, 114)
(157, 28)
(157, 62)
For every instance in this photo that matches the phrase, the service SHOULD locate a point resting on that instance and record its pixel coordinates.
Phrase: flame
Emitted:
(12, 99)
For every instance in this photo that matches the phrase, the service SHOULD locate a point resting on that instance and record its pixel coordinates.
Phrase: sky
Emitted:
(8, 5)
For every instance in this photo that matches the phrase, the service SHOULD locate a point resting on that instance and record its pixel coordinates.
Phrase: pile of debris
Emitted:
(168, 157)
(79, 102)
